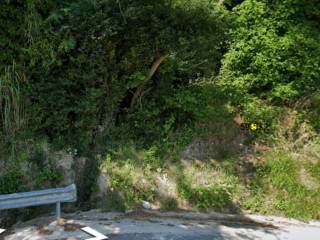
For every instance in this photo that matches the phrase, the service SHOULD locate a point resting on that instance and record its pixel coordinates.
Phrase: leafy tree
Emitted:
(89, 63)
(275, 51)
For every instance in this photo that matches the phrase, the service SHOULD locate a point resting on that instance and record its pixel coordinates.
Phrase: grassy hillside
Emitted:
(280, 178)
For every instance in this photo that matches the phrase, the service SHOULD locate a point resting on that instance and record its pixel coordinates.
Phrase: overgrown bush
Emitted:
(274, 54)
(88, 63)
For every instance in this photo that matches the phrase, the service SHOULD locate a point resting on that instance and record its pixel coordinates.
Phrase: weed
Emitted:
(12, 113)
(169, 204)
(277, 188)
(130, 181)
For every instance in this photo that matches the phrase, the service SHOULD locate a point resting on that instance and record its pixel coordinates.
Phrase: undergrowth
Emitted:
(152, 99)
(278, 188)
(280, 182)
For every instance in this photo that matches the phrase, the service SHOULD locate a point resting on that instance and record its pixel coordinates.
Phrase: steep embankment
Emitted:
(186, 104)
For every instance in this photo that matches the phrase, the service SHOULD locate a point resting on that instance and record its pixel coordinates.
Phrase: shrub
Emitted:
(274, 54)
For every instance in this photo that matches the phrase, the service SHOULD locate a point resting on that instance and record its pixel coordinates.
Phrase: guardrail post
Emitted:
(58, 210)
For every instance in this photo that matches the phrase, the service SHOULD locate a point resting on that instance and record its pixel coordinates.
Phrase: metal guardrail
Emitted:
(37, 198)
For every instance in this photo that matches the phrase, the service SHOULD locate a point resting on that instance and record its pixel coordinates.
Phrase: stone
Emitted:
(65, 162)
(146, 205)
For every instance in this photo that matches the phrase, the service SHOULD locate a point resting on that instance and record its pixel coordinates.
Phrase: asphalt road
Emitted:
(142, 236)
(163, 226)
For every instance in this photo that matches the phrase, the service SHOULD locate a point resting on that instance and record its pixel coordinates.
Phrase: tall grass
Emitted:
(12, 107)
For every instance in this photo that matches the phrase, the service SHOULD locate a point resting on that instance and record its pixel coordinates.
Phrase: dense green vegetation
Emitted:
(130, 84)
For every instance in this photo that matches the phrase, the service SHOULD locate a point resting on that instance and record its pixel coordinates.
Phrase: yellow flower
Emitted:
(253, 127)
